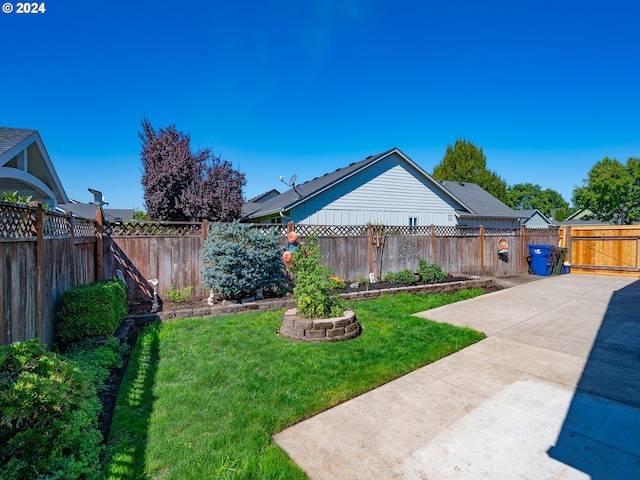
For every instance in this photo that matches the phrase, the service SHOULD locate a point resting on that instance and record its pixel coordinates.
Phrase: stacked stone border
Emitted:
(288, 302)
(307, 330)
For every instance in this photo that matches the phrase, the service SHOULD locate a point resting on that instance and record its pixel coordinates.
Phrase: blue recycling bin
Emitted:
(542, 259)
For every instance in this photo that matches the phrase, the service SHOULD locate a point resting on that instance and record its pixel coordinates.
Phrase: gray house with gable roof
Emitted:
(25, 167)
(388, 188)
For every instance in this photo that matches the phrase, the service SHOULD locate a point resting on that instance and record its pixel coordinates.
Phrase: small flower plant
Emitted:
(293, 242)
(313, 288)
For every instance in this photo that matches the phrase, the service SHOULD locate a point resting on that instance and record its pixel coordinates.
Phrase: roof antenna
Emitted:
(291, 183)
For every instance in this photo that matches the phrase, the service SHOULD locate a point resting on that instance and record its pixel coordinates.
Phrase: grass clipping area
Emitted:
(202, 397)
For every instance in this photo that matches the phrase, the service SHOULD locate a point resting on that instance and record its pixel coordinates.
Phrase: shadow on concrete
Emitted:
(601, 432)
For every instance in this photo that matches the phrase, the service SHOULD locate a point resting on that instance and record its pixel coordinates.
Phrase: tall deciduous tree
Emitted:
(183, 185)
(464, 162)
(611, 191)
(527, 196)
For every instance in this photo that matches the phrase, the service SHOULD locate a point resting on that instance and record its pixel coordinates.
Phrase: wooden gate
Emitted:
(603, 249)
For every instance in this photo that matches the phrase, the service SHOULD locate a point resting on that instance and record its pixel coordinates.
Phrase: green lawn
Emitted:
(202, 397)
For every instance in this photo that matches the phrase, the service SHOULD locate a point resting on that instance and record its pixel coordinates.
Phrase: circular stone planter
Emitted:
(321, 329)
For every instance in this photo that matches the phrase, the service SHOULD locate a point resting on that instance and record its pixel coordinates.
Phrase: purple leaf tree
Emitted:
(184, 185)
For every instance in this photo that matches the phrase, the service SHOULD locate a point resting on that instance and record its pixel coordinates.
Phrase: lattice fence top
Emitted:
(20, 222)
(330, 230)
(83, 227)
(56, 224)
(152, 229)
(541, 232)
(438, 231)
(456, 231)
(501, 232)
(17, 221)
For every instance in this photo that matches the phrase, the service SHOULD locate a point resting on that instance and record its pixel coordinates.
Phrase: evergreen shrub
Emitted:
(239, 260)
(49, 424)
(90, 311)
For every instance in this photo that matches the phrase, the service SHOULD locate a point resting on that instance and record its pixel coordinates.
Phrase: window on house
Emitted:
(413, 221)
(276, 220)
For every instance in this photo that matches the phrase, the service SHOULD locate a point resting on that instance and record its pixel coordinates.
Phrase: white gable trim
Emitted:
(55, 191)
(35, 182)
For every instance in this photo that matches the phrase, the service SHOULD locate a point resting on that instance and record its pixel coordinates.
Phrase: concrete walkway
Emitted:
(552, 393)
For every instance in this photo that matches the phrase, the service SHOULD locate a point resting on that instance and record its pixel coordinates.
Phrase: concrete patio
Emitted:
(553, 392)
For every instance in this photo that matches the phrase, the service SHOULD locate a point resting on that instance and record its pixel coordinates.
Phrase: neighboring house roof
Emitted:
(580, 217)
(528, 215)
(25, 166)
(478, 201)
(263, 197)
(473, 200)
(254, 203)
(88, 210)
(579, 214)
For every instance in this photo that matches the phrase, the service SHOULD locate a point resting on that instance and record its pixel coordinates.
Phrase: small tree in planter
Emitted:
(240, 260)
(312, 283)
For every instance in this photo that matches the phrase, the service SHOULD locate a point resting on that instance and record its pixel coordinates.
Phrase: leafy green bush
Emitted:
(313, 284)
(179, 296)
(49, 424)
(97, 360)
(430, 272)
(403, 276)
(90, 311)
(239, 260)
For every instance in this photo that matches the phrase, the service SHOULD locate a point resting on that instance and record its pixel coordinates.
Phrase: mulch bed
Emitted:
(138, 308)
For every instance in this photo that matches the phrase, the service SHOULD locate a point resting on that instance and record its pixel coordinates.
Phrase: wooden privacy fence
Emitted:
(42, 254)
(354, 252)
(603, 249)
(172, 252)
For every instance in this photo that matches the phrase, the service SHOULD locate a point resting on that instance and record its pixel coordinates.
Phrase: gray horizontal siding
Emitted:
(388, 192)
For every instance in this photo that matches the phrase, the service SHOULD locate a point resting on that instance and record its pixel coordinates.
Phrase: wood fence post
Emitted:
(74, 261)
(205, 230)
(289, 227)
(433, 244)
(99, 246)
(370, 242)
(39, 247)
(523, 246)
(568, 243)
(481, 249)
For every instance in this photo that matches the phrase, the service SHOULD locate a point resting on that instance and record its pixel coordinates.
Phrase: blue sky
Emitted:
(546, 88)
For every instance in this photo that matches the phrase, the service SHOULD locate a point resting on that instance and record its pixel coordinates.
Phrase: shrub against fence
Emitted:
(94, 310)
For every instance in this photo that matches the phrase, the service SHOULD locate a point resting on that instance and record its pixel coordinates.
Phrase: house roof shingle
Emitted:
(479, 201)
(10, 137)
